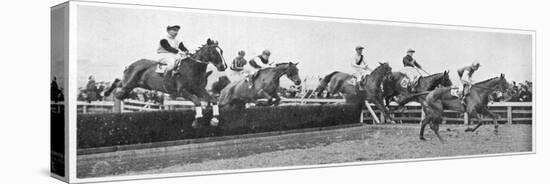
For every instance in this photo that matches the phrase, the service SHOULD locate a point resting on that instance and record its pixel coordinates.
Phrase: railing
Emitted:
(509, 112)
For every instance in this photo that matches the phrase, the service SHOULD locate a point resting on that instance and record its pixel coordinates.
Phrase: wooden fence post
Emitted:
(362, 117)
(466, 118)
(509, 115)
(117, 107)
(376, 120)
(422, 114)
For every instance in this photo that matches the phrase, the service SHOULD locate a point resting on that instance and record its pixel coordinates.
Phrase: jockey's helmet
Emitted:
(476, 64)
(266, 52)
(174, 27)
(359, 47)
(241, 53)
(411, 51)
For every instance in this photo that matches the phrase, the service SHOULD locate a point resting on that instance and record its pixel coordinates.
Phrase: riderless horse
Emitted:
(264, 85)
(189, 84)
(435, 102)
(397, 86)
(368, 88)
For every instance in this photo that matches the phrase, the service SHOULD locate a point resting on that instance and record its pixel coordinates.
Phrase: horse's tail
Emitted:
(113, 86)
(324, 83)
(225, 95)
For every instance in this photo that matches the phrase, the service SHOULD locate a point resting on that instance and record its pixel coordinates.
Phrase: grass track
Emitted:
(369, 143)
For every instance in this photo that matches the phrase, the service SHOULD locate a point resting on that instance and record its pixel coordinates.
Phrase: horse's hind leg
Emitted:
(478, 123)
(435, 127)
(425, 122)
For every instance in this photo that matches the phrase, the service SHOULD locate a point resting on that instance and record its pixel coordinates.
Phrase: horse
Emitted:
(435, 102)
(368, 88)
(219, 85)
(265, 83)
(396, 86)
(189, 84)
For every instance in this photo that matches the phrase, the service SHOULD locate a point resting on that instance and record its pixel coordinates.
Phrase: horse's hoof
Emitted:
(214, 122)
(422, 139)
(195, 123)
(468, 130)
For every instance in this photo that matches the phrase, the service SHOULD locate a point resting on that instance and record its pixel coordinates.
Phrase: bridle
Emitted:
(487, 88)
(207, 62)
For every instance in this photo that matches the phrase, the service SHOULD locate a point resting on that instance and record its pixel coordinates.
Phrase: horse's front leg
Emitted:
(214, 102)
(485, 111)
(276, 99)
(386, 113)
(196, 101)
(266, 95)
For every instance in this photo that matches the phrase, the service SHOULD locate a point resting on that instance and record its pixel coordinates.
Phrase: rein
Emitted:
(486, 88)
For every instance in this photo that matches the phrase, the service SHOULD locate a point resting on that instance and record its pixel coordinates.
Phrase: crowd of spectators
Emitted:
(517, 92)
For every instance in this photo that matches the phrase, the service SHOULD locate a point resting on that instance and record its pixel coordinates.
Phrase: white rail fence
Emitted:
(509, 112)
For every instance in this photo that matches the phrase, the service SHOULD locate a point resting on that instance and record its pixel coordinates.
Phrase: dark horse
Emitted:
(265, 85)
(396, 86)
(357, 92)
(189, 84)
(435, 102)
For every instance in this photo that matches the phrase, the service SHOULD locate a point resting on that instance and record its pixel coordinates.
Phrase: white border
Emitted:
(73, 75)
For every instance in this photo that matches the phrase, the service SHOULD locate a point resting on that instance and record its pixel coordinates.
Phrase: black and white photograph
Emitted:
(145, 91)
(178, 90)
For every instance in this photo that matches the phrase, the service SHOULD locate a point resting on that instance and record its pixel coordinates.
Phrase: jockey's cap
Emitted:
(241, 52)
(475, 63)
(266, 52)
(359, 47)
(410, 50)
(174, 27)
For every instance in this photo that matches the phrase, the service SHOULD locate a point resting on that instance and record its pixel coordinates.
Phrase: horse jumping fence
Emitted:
(509, 112)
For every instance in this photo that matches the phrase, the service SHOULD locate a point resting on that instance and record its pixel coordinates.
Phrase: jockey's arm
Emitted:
(183, 48)
(261, 64)
(164, 44)
(466, 77)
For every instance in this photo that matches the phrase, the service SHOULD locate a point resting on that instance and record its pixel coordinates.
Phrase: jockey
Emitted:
(359, 65)
(237, 67)
(467, 71)
(411, 69)
(255, 64)
(171, 50)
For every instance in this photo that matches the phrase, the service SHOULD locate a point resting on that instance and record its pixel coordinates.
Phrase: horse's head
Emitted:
(384, 69)
(292, 72)
(213, 54)
(502, 83)
(445, 79)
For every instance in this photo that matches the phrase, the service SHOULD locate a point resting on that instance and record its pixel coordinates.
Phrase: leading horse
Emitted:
(189, 84)
(265, 85)
(435, 102)
(368, 88)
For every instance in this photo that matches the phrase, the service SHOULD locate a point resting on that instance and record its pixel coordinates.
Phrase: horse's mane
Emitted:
(485, 81)
(378, 68)
(433, 75)
(201, 47)
(268, 68)
(285, 63)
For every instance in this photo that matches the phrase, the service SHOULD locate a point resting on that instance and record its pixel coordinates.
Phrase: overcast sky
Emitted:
(111, 38)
